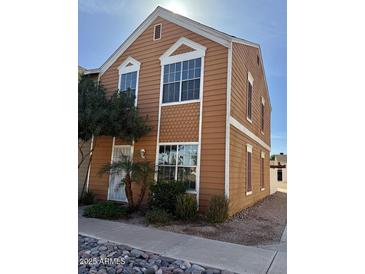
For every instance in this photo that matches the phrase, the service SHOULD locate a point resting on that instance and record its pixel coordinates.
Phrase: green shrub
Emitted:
(186, 207)
(164, 195)
(88, 198)
(158, 216)
(217, 211)
(106, 210)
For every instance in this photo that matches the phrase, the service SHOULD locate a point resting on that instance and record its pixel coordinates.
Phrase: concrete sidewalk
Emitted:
(215, 254)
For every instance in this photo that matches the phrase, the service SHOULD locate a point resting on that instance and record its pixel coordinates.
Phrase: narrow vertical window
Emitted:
(280, 175)
(262, 115)
(157, 32)
(249, 97)
(249, 170)
(262, 171)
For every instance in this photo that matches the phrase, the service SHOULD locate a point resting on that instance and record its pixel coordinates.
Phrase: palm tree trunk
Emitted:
(141, 196)
(128, 191)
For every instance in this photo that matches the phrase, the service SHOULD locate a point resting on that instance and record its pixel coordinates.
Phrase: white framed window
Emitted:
(262, 171)
(181, 81)
(248, 169)
(182, 74)
(179, 162)
(262, 115)
(249, 96)
(129, 76)
(157, 31)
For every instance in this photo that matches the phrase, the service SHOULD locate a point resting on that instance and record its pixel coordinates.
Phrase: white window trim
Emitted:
(154, 32)
(263, 103)
(249, 150)
(123, 68)
(250, 79)
(166, 59)
(262, 157)
(198, 51)
(197, 177)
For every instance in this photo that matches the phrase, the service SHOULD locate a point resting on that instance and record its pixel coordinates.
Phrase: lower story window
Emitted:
(280, 175)
(249, 170)
(178, 162)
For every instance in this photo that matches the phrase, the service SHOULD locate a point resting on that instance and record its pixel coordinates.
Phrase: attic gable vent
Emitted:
(157, 32)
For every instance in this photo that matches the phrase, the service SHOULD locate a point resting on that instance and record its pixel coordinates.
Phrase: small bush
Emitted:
(88, 198)
(106, 210)
(186, 207)
(164, 195)
(158, 216)
(218, 210)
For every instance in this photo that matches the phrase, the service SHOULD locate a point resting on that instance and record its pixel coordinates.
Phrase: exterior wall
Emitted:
(147, 52)
(82, 171)
(275, 184)
(99, 183)
(180, 123)
(237, 179)
(244, 60)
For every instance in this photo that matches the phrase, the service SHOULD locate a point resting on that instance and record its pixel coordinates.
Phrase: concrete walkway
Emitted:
(215, 254)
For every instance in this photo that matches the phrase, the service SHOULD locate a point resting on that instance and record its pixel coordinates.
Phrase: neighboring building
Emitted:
(278, 173)
(206, 97)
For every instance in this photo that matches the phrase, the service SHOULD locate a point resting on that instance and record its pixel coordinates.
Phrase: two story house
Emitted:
(208, 104)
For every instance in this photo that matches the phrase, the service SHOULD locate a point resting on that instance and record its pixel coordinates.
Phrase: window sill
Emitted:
(191, 191)
(180, 103)
(262, 189)
(248, 119)
(248, 193)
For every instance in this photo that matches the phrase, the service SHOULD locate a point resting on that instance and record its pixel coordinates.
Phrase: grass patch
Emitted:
(106, 210)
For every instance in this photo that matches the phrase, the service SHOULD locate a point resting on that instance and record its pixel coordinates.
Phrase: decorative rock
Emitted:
(135, 261)
(226, 272)
(197, 267)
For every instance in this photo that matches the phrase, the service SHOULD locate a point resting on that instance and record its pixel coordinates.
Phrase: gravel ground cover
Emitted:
(261, 224)
(103, 257)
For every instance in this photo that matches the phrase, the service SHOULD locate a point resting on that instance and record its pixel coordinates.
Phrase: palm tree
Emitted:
(139, 172)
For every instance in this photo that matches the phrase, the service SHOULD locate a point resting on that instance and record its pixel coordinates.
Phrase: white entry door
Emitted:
(116, 190)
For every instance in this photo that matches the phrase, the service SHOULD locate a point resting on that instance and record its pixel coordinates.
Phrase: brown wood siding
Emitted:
(180, 123)
(182, 49)
(237, 170)
(147, 52)
(244, 60)
(99, 183)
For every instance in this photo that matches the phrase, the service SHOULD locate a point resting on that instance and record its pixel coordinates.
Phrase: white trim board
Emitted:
(203, 30)
(249, 133)
(228, 128)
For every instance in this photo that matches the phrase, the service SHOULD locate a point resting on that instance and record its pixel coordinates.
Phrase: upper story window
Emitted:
(262, 115)
(128, 77)
(128, 82)
(249, 97)
(157, 32)
(182, 74)
(181, 81)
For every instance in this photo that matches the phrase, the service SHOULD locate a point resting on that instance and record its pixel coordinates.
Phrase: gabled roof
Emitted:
(201, 29)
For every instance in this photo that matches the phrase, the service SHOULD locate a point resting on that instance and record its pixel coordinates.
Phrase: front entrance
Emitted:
(116, 191)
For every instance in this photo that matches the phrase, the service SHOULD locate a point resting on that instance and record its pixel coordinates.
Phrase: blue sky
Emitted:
(105, 24)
